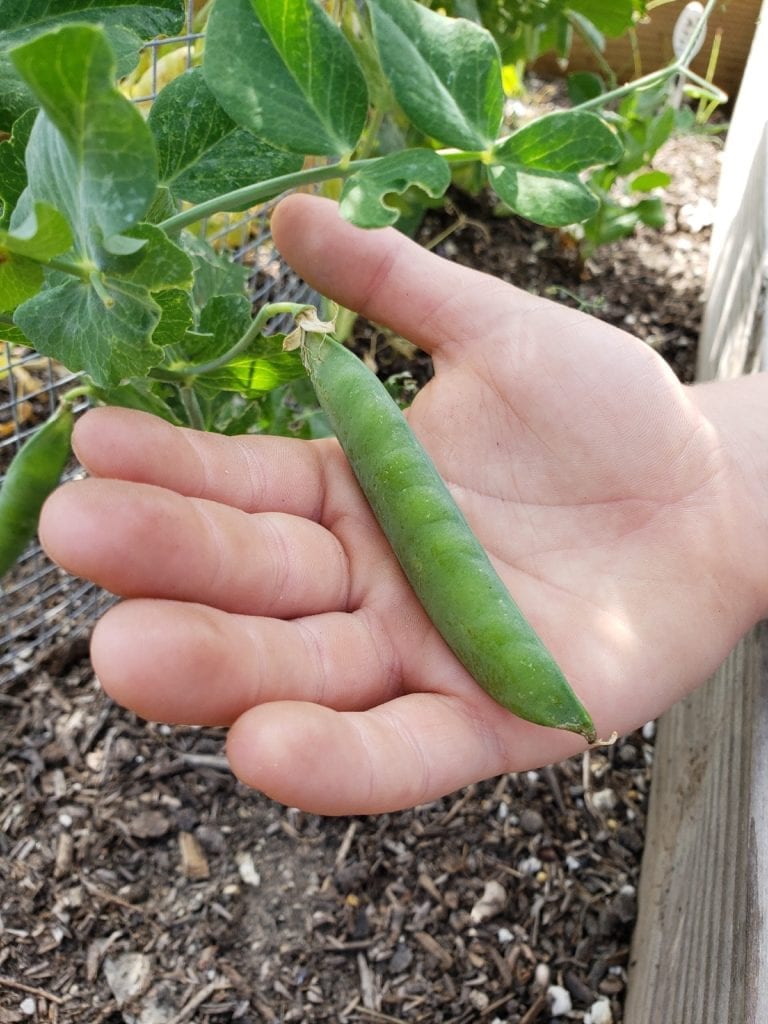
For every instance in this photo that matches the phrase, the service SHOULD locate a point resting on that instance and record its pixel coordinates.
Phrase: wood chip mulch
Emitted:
(140, 884)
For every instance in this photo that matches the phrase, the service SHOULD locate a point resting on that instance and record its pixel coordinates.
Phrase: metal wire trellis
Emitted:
(41, 605)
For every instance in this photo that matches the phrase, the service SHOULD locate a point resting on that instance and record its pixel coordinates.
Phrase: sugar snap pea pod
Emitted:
(444, 562)
(33, 473)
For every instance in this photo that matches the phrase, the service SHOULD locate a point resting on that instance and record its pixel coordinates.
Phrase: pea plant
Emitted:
(526, 29)
(104, 269)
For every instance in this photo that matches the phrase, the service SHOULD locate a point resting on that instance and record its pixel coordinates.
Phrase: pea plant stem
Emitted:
(71, 396)
(192, 408)
(677, 67)
(267, 312)
(260, 192)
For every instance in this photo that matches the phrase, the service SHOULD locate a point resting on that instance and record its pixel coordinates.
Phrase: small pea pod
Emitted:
(33, 473)
(446, 565)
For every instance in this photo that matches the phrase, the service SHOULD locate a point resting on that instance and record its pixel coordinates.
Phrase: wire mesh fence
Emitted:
(41, 605)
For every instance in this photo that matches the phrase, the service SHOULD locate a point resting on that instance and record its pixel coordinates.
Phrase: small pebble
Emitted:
(559, 1000)
(603, 800)
(28, 1006)
(599, 1013)
(531, 822)
(542, 975)
(490, 904)
(627, 753)
(529, 865)
(649, 730)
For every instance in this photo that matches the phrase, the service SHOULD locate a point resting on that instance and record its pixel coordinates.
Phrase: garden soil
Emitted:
(141, 884)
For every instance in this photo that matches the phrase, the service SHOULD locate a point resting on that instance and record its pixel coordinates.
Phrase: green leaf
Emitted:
(444, 72)
(145, 395)
(254, 375)
(15, 96)
(224, 320)
(643, 136)
(652, 212)
(158, 264)
(145, 18)
(583, 86)
(13, 172)
(214, 274)
(562, 143)
(43, 235)
(202, 153)
(364, 195)
(283, 70)
(117, 320)
(650, 180)
(545, 198)
(106, 331)
(20, 278)
(535, 171)
(175, 316)
(612, 19)
(90, 154)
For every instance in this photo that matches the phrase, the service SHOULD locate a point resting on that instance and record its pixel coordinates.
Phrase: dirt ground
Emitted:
(140, 884)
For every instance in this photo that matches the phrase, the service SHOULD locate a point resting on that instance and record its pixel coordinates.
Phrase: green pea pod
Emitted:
(34, 472)
(444, 562)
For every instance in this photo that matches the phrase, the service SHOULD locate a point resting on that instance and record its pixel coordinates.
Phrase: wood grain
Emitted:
(700, 948)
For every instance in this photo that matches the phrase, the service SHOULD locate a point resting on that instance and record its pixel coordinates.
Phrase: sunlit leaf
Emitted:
(283, 70)
(445, 72)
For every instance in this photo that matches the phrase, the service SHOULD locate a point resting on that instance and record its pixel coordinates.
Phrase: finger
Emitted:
(140, 540)
(411, 750)
(389, 278)
(199, 666)
(253, 473)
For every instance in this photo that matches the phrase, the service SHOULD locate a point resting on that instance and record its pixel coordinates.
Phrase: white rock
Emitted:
(559, 1000)
(542, 975)
(603, 800)
(491, 903)
(599, 1013)
(28, 1007)
(247, 869)
(128, 976)
(649, 730)
(504, 936)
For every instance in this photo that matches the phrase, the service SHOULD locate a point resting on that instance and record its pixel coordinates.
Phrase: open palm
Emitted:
(261, 594)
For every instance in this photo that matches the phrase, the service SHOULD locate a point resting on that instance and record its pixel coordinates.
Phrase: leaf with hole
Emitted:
(364, 197)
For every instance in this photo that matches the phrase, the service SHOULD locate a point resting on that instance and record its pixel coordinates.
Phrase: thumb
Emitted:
(389, 278)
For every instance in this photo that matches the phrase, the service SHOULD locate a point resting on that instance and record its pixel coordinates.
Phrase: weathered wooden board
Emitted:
(700, 954)
(700, 950)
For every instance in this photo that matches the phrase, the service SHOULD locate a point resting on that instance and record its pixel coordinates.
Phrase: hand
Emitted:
(261, 595)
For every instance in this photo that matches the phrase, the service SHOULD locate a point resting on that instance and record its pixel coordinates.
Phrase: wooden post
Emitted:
(700, 949)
